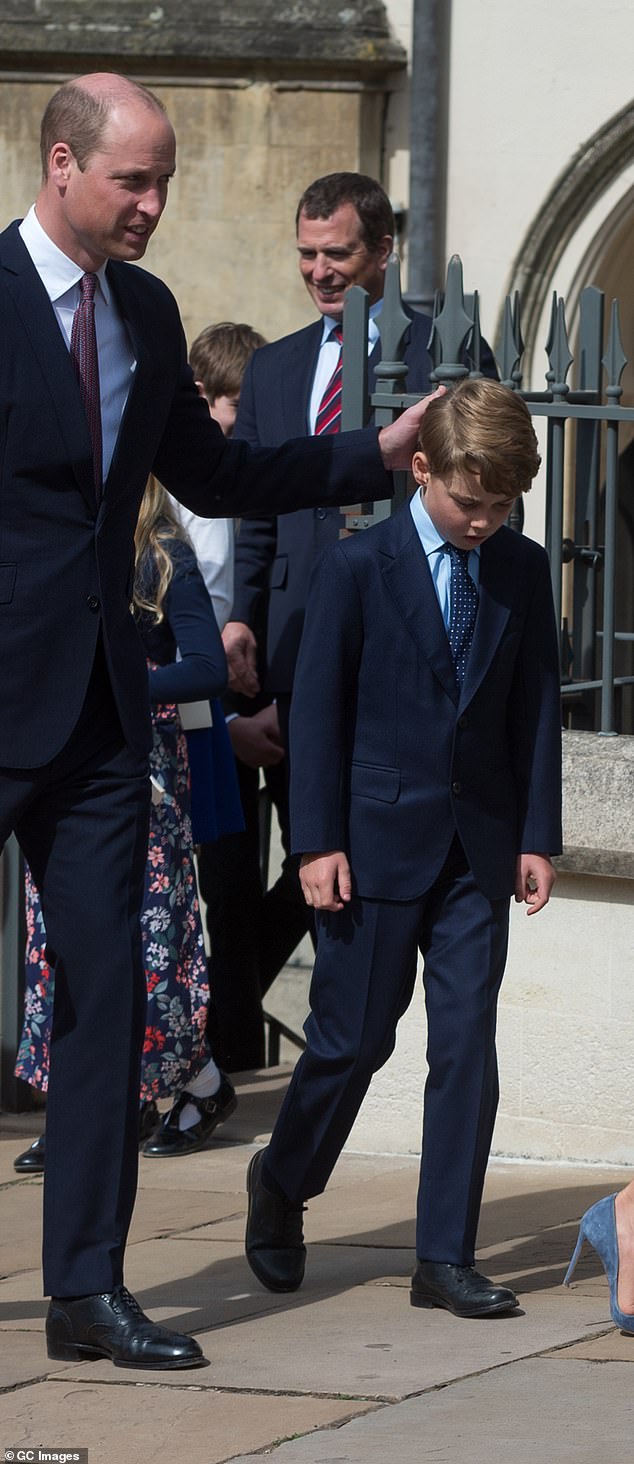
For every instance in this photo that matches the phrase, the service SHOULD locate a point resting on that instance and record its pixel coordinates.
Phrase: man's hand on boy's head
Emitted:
(326, 880)
(534, 879)
(398, 442)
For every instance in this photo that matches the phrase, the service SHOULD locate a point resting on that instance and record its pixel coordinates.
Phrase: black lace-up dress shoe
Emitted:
(459, 1289)
(32, 1160)
(275, 1236)
(169, 1140)
(113, 1325)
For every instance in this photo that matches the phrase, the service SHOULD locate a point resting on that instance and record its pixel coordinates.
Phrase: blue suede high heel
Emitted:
(598, 1227)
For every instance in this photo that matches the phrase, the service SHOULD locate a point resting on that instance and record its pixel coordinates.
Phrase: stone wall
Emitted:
(264, 97)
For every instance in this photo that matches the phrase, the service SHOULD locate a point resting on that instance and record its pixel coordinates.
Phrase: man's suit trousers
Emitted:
(82, 823)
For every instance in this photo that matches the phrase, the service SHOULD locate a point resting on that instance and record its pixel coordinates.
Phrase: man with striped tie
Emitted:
(292, 387)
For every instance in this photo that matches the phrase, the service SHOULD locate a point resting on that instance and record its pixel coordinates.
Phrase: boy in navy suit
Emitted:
(425, 792)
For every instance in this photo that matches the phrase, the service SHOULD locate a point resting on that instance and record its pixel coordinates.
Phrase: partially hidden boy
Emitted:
(426, 773)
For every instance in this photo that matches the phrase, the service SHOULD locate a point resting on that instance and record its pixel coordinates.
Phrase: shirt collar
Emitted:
(373, 329)
(427, 532)
(57, 272)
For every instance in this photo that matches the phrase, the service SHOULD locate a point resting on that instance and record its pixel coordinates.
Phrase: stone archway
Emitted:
(595, 167)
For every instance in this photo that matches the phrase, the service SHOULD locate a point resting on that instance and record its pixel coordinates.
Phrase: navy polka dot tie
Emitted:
(463, 609)
(83, 354)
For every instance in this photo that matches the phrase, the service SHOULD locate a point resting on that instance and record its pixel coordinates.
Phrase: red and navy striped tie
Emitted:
(328, 417)
(83, 354)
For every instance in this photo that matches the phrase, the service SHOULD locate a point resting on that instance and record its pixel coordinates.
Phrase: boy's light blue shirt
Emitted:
(437, 556)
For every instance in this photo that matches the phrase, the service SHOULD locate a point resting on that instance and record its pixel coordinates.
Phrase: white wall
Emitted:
(565, 1038)
(529, 83)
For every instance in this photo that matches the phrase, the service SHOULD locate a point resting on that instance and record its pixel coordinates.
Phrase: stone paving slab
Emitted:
(391, 1351)
(139, 1424)
(378, 1211)
(21, 1229)
(536, 1412)
(613, 1346)
(157, 1212)
(22, 1359)
(197, 1286)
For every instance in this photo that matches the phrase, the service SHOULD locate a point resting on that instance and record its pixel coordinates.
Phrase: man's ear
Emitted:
(385, 249)
(60, 163)
(420, 468)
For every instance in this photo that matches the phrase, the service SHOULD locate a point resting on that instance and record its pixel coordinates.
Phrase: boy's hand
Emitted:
(534, 879)
(325, 880)
(398, 443)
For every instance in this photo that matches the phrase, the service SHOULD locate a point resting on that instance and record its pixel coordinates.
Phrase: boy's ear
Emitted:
(420, 468)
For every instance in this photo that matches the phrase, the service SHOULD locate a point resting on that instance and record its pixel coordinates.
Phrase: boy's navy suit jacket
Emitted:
(274, 557)
(387, 759)
(65, 564)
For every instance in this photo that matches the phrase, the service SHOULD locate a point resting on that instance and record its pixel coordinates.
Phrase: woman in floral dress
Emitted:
(172, 609)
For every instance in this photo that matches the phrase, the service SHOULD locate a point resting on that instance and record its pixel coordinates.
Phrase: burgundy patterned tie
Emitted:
(83, 354)
(328, 417)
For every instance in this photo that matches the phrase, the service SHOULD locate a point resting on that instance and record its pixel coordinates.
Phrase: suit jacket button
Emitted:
(463, 721)
(456, 787)
(92, 602)
(322, 513)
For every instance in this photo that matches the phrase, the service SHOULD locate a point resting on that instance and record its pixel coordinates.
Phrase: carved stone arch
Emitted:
(597, 164)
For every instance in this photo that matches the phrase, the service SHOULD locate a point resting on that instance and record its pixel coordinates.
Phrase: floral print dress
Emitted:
(175, 1046)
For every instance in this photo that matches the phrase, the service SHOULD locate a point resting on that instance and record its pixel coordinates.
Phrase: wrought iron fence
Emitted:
(587, 495)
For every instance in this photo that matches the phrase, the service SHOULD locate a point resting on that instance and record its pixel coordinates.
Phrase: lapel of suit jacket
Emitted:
(496, 595)
(298, 374)
(51, 352)
(134, 420)
(409, 582)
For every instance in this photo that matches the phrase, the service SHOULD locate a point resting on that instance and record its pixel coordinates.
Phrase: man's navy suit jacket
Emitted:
(65, 566)
(388, 759)
(275, 557)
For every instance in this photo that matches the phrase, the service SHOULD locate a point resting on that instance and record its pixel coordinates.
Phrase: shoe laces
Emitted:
(122, 1299)
(293, 1228)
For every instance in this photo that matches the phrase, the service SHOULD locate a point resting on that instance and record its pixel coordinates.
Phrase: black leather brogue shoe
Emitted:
(275, 1236)
(113, 1325)
(169, 1141)
(32, 1160)
(459, 1289)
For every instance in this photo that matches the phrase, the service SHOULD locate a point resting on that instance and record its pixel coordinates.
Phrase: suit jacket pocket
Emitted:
(279, 572)
(8, 574)
(369, 781)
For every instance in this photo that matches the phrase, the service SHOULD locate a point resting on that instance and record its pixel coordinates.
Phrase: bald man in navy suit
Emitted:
(96, 393)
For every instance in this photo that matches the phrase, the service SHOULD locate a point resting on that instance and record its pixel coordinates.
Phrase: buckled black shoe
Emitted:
(459, 1289)
(114, 1326)
(168, 1141)
(32, 1160)
(275, 1235)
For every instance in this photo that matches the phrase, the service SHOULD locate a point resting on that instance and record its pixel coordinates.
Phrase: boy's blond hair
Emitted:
(219, 355)
(482, 427)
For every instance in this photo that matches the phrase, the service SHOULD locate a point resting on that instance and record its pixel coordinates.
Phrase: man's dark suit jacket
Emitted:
(276, 556)
(388, 758)
(66, 568)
